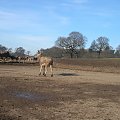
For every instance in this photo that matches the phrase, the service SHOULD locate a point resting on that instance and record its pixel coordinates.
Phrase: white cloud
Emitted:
(29, 42)
(9, 19)
(60, 20)
(75, 3)
(64, 20)
(53, 15)
(79, 1)
(6, 17)
(32, 19)
(33, 38)
(19, 20)
(3, 13)
(101, 13)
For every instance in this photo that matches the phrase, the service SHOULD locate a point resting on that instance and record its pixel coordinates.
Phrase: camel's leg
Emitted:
(45, 70)
(51, 68)
(40, 70)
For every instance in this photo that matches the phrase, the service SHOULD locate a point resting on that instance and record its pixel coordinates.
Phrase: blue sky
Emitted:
(35, 24)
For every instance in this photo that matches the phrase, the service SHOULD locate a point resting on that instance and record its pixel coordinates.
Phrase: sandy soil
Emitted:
(69, 95)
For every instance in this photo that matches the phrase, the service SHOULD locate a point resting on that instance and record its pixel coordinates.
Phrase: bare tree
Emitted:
(118, 48)
(3, 48)
(20, 51)
(100, 45)
(28, 52)
(10, 50)
(117, 53)
(74, 41)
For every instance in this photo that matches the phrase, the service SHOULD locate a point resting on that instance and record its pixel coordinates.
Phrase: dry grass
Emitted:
(100, 65)
(69, 95)
(109, 65)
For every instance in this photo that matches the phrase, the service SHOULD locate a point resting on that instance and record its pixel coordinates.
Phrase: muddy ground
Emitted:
(69, 95)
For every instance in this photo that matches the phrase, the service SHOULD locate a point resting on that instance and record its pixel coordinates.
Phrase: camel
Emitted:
(44, 63)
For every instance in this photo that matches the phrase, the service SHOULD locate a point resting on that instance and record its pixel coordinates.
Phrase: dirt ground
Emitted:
(69, 95)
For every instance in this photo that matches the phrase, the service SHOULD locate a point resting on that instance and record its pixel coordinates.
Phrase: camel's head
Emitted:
(38, 55)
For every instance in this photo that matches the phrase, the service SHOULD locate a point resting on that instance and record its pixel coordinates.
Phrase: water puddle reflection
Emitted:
(32, 96)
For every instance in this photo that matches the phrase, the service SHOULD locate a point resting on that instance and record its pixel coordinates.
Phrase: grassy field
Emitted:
(101, 65)
(69, 95)
(109, 65)
(75, 92)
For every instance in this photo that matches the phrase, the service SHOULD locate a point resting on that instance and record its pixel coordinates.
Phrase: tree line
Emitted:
(73, 46)
(20, 51)
(75, 43)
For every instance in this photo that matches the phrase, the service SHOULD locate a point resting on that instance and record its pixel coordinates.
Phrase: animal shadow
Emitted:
(68, 74)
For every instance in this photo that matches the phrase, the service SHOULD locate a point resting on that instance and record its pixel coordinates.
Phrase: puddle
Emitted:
(32, 96)
(89, 93)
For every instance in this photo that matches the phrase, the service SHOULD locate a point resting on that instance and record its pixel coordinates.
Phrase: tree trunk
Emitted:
(71, 55)
(99, 53)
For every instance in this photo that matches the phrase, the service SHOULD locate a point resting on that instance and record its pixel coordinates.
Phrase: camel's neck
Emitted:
(39, 56)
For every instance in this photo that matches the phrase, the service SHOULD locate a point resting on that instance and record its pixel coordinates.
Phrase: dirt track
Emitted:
(69, 95)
